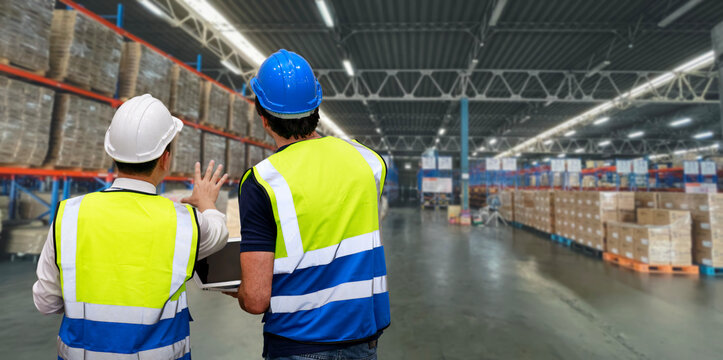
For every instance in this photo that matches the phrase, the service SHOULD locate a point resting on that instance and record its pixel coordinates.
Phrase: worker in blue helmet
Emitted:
(312, 258)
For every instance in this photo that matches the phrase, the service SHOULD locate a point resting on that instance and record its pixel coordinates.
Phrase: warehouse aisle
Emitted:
(460, 293)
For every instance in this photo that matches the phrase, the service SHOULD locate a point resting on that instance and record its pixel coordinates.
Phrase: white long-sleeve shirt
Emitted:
(47, 293)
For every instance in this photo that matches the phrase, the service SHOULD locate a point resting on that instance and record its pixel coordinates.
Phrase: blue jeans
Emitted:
(356, 352)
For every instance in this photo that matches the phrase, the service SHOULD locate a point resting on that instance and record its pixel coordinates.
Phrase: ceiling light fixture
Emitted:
(347, 66)
(481, 148)
(703, 135)
(603, 143)
(596, 69)
(547, 142)
(493, 141)
(561, 155)
(677, 13)
(497, 12)
(570, 133)
(442, 131)
(546, 159)
(681, 122)
(579, 150)
(225, 29)
(155, 10)
(379, 131)
(325, 13)
(698, 62)
(636, 134)
(233, 68)
(601, 120)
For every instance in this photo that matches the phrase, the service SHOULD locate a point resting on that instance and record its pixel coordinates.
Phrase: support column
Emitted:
(464, 156)
(717, 40)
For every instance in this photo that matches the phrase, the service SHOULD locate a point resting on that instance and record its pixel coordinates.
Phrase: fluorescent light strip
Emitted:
(347, 66)
(636, 134)
(325, 13)
(703, 135)
(680, 122)
(603, 143)
(601, 120)
(155, 10)
(570, 133)
(579, 150)
(547, 142)
(561, 155)
(493, 141)
(442, 131)
(231, 67)
(698, 62)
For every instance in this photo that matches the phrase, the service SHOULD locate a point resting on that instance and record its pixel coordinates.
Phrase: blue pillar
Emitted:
(13, 195)
(118, 19)
(53, 199)
(198, 62)
(464, 161)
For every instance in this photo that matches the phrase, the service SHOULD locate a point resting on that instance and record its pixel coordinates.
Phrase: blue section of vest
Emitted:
(356, 267)
(124, 338)
(334, 322)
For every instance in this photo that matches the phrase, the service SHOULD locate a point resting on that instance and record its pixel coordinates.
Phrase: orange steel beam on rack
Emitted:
(135, 38)
(57, 84)
(600, 169)
(678, 169)
(52, 172)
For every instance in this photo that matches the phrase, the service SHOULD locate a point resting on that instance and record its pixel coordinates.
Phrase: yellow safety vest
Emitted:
(329, 282)
(124, 259)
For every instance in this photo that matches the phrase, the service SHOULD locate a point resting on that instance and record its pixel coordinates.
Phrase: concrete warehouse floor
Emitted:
(460, 293)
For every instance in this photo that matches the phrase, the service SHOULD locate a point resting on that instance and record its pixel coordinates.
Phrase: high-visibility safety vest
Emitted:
(124, 259)
(329, 282)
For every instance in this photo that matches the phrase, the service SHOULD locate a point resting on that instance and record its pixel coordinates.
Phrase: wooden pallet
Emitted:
(650, 269)
(6, 61)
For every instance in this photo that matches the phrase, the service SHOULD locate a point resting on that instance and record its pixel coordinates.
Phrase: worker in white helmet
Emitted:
(116, 262)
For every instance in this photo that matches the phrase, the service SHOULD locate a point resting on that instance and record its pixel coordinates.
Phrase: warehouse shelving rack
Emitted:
(15, 179)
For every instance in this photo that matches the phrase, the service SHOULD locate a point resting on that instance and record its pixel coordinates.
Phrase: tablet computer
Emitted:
(220, 271)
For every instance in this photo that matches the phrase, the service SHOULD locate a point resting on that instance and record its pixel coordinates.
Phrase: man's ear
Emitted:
(166, 160)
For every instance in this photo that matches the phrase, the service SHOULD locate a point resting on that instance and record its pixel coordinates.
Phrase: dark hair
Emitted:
(287, 128)
(145, 168)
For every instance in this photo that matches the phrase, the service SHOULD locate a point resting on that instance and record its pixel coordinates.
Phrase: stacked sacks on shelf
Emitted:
(25, 118)
(186, 151)
(235, 158)
(84, 52)
(215, 106)
(254, 155)
(144, 71)
(238, 115)
(214, 148)
(25, 32)
(78, 132)
(256, 127)
(186, 91)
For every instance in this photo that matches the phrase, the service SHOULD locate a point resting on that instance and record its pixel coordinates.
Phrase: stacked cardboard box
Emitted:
(524, 207)
(84, 52)
(238, 121)
(235, 158)
(144, 71)
(27, 239)
(215, 106)
(582, 215)
(646, 200)
(25, 118)
(185, 93)
(254, 155)
(214, 148)
(186, 151)
(674, 224)
(507, 205)
(707, 215)
(25, 32)
(543, 215)
(78, 131)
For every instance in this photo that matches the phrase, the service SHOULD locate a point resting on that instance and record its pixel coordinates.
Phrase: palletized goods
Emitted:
(187, 151)
(214, 148)
(238, 116)
(185, 93)
(235, 158)
(25, 32)
(144, 71)
(215, 106)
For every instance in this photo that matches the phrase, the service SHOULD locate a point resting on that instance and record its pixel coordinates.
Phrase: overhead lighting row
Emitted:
(696, 63)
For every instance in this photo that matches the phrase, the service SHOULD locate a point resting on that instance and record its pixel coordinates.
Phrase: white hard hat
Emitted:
(140, 131)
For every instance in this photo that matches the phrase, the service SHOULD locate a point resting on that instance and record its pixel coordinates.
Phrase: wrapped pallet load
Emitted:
(78, 133)
(254, 155)
(26, 239)
(25, 117)
(215, 106)
(214, 148)
(144, 71)
(25, 32)
(238, 115)
(84, 52)
(185, 93)
(187, 151)
(235, 158)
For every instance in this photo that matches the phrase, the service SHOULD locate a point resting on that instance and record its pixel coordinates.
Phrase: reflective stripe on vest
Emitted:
(312, 283)
(123, 277)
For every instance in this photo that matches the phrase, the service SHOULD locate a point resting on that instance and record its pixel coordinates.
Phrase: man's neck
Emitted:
(148, 179)
(281, 142)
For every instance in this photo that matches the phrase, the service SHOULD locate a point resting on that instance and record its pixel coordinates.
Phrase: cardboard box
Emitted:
(646, 200)
(613, 238)
(627, 242)
(709, 257)
(453, 211)
(673, 201)
(652, 244)
(625, 216)
(625, 200)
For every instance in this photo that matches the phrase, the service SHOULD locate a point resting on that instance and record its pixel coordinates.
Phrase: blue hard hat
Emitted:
(286, 86)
